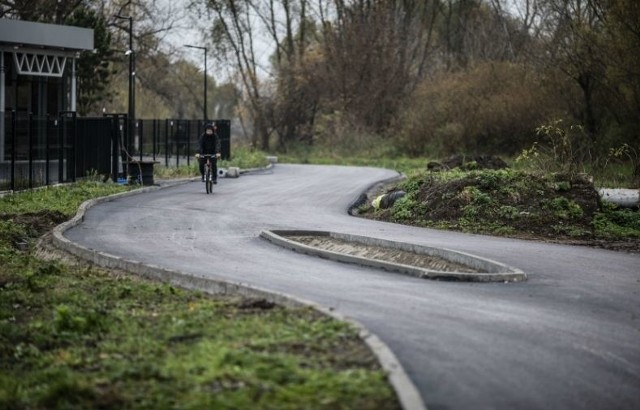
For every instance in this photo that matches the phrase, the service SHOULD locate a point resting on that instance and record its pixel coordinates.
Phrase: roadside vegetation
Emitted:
(546, 192)
(353, 149)
(509, 202)
(241, 157)
(76, 336)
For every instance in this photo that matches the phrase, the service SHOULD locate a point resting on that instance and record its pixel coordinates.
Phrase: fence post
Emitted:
(175, 142)
(114, 148)
(166, 143)
(30, 150)
(124, 147)
(13, 150)
(188, 131)
(72, 157)
(154, 136)
(61, 130)
(141, 137)
(46, 153)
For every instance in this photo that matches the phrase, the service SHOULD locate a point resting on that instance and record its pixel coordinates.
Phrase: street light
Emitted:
(205, 77)
(132, 73)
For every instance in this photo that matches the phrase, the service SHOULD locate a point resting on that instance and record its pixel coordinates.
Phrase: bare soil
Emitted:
(535, 213)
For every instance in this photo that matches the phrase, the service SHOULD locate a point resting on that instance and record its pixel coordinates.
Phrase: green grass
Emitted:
(379, 153)
(76, 336)
(65, 199)
(327, 157)
(241, 157)
(614, 175)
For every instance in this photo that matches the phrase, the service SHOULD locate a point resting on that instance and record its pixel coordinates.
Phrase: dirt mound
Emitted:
(539, 206)
(551, 207)
(40, 221)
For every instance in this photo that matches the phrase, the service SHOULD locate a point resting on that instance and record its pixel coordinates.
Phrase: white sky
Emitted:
(190, 31)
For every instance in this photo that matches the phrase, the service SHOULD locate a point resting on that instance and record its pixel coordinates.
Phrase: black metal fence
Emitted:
(172, 142)
(38, 151)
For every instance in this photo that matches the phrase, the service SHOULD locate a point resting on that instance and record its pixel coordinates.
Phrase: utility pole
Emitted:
(132, 82)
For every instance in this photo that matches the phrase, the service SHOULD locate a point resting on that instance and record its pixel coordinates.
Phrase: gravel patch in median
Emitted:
(381, 253)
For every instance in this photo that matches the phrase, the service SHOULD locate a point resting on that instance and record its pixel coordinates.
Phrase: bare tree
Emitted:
(575, 27)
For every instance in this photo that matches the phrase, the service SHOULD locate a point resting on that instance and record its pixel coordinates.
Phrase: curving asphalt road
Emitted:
(568, 338)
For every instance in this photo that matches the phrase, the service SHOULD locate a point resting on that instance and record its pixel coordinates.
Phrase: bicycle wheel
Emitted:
(208, 182)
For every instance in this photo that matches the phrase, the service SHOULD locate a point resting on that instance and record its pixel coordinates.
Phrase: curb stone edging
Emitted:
(407, 393)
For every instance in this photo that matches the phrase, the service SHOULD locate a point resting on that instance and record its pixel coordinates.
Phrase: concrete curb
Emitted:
(260, 169)
(495, 271)
(407, 393)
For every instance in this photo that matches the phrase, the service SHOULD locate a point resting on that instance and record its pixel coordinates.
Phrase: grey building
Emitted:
(38, 70)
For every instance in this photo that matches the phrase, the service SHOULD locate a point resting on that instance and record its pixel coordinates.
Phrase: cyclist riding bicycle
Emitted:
(209, 144)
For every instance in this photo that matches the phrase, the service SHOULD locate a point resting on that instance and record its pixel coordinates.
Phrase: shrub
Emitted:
(493, 106)
(561, 148)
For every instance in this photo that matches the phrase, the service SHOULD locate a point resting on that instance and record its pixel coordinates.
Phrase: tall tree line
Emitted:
(444, 75)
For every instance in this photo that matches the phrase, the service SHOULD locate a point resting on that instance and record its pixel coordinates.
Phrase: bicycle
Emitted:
(208, 173)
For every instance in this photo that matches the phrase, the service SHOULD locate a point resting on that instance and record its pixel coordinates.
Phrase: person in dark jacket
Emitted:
(209, 144)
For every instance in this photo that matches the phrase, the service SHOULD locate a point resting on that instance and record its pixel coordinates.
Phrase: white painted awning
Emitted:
(47, 36)
(40, 49)
(39, 63)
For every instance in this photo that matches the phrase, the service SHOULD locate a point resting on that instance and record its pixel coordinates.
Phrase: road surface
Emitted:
(568, 338)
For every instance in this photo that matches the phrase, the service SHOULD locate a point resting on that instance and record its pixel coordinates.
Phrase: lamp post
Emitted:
(205, 77)
(132, 74)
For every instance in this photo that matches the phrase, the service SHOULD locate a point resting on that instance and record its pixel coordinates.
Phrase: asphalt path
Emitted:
(568, 338)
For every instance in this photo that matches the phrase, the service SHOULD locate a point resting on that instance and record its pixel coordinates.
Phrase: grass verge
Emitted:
(241, 157)
(76, 336)
(372, 151)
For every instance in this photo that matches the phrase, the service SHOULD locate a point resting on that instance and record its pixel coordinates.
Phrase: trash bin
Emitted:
(135, 168)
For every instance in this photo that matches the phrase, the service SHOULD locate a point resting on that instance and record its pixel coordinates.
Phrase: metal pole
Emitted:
(140, 140)
(132, 91)
(13, 150)
(72, 157)
(2, 105)
(132, 86)
(73, 84)
(188, 131)
(61, 137)
(30, 150)
(166, 143)
(175, 144)
(115, 152)
(133, 76)
(46, 153)
(155, 137)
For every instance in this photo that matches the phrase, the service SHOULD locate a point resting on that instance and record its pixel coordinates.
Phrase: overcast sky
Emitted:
(191, 31)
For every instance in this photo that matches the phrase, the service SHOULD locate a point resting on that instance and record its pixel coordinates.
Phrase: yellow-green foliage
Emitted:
(491, 107)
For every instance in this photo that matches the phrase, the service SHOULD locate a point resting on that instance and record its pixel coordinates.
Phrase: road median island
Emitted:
(407, 394)
(400, 257)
